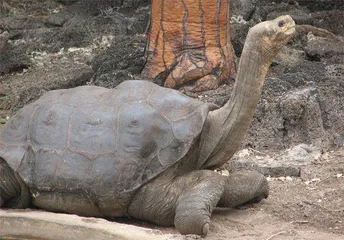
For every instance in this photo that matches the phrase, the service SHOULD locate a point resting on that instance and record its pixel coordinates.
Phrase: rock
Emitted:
(298, 13)
(13, 58)
(332, 20)
(302, 116)
(293, 105)
(319, 48)
(243, 8)
(268, 122)
(300, 155)
(20, 22)
(335, 72)
(80, 10)
(67, 2)
(331, 97)
(25, 88)
(319, 5)
(288, 178)
(3, 40)
(285, 164)
(289, 57)
(76, 24)
(46, 225)
(238, 36)
(123, 60)
(130, 5)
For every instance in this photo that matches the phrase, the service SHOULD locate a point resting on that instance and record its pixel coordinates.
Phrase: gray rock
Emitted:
(293, 104)
(332, 21)
(123, 60)
(320, 5)
(3, 40)
(319, 48)
(302, 116)
(31, 85)
(335, 72)
(298, 13)
(331, 98)
(243, 8)
(13, 58)
(80, 10)
(20, 22)
(238, 36)
(67, 2)
(54, 226)
(286, 163)
(300, 155)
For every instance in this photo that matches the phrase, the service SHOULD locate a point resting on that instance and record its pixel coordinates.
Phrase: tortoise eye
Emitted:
(281, 23)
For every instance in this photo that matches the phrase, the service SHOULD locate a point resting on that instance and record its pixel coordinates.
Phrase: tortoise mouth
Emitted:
(291, 29)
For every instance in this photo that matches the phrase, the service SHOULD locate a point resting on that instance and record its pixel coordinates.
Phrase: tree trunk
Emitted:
(189, 43)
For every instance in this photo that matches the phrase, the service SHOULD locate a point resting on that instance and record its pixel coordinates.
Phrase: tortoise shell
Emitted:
(103, 141)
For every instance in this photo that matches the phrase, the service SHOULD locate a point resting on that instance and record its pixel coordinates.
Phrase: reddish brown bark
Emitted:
(189, 41)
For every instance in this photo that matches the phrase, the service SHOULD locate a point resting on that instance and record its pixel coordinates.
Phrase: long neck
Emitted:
(226, 127)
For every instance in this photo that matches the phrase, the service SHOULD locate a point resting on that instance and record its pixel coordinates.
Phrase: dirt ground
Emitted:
(308, 206)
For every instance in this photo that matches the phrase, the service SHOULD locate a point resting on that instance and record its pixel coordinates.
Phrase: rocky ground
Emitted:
(297, 135)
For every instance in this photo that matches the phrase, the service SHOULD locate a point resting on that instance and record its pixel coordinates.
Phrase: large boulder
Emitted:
(53, 226)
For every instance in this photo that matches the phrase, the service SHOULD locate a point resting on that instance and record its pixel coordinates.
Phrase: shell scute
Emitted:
(92, 130)
(142, 131)
(176, 148)
(83, 96)
(49, 126)
(167, 103)
(71, 171)
(47, 162)
(15, 130)
(185, 129)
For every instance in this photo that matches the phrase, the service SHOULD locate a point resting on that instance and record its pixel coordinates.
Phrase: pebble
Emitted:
(288, 178)
(282, 179)
(312, 180)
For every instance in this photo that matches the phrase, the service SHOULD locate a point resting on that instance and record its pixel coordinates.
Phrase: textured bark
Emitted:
(189, 41)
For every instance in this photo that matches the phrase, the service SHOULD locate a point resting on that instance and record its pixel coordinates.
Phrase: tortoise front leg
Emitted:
(197, 202)
(185, 201)
(208, 189)
(244, 187)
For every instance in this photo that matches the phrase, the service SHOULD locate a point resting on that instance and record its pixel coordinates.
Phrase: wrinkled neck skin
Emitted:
(226, 127)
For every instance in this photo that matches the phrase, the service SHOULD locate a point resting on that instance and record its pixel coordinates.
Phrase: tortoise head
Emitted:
(271, 36)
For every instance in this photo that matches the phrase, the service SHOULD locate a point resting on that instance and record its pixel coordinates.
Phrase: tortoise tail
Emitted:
(13, 191)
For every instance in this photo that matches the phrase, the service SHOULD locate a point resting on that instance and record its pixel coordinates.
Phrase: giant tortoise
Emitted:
(138, 150)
